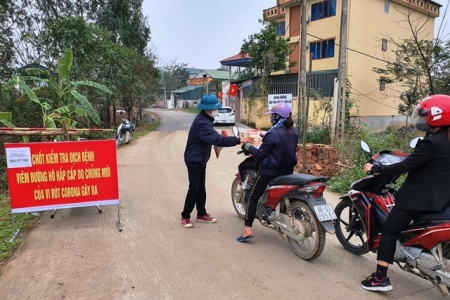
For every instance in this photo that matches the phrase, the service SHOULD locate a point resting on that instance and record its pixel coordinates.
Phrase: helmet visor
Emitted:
(418, 113)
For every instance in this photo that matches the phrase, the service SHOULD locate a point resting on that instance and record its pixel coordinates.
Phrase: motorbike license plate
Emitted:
(325, 212)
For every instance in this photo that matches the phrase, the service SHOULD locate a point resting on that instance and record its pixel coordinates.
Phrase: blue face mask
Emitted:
(274, 119)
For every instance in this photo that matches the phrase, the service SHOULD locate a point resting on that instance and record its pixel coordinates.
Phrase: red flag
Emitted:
(233, 90)
(219, 95)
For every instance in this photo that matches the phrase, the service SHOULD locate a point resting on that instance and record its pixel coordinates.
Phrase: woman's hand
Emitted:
(368, 168)
(247, 139)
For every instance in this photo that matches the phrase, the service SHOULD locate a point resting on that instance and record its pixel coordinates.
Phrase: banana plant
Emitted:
(69, 101)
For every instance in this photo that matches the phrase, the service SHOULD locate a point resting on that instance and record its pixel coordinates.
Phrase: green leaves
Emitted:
(87, 106)
(64, 66)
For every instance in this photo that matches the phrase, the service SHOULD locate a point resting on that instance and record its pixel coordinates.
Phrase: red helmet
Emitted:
(436, 110)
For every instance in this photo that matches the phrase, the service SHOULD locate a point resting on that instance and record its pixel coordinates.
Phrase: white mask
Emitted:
(214, 113)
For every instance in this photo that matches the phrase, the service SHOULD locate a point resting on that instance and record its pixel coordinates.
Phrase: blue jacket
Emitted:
(277, 153)
(202, 136)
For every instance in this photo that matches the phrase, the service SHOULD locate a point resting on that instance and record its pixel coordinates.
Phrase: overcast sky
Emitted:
(203, 32)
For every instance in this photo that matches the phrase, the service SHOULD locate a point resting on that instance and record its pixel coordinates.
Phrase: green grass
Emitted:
(193, 110)
(145, 128)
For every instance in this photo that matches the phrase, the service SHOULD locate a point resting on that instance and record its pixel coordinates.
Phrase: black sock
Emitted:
(381, 272)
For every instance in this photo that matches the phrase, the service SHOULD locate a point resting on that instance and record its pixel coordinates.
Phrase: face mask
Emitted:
(422, 125)
(274, 119)
(214, 113)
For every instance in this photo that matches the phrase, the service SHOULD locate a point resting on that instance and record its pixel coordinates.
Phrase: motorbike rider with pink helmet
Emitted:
(426, 188)
(276, 156)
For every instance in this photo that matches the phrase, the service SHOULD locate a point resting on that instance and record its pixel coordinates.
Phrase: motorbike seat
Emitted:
(296, 179)
(439, 215)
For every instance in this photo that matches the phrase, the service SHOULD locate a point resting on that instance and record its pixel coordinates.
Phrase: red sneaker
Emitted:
(206, 218)
(186, 223)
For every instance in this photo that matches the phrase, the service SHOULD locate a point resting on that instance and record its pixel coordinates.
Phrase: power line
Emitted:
(372, 98)
(359, 52)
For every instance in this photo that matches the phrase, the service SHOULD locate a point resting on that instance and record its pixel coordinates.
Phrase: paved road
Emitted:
(81, 255)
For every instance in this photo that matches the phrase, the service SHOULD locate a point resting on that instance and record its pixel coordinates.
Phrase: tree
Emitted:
(268, 50)
(12, 16)
(125, 20)
(67, 104)
(174, 75)
(420, 64)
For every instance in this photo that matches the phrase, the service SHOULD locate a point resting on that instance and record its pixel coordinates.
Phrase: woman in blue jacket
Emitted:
(202, 136)
(276, 156)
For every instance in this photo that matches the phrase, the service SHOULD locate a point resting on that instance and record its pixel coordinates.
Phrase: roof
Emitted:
(237, 60)
(193, 70)
(186, 89)
(215, 74)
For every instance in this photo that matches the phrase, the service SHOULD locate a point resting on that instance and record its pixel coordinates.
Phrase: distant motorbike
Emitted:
(423, 249)
(124, 132)
(292, 205)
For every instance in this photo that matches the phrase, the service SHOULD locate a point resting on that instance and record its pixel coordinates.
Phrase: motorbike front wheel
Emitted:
(312, 246)
(350, 229)
(237, 198)
(119, 139)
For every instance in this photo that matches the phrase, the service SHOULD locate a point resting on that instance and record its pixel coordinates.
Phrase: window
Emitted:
(322, 49)
(323, 10)
(384, 45)
(386, 7)
(280, 29)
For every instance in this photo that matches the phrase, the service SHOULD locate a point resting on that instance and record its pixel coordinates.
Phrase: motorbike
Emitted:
(292, 205)
(124, 132)
(423, 249)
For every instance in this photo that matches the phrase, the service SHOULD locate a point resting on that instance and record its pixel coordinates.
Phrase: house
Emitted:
(371, 25)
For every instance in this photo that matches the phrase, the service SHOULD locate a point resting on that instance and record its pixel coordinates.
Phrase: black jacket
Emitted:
(277, 153)
(427, 186)
(202, 136)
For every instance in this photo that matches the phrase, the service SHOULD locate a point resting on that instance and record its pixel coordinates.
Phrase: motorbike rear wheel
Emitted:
(312, 246)
(350, 228)
(237, 198)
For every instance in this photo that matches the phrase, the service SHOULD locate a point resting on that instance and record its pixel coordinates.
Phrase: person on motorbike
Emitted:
(202, 136)
(426, 188)
(276, 156)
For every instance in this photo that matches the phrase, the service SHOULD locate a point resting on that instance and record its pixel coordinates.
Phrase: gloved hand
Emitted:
(247, 146)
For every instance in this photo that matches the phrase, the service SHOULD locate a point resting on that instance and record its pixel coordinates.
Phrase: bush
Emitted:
(351, 154)
(318, 134)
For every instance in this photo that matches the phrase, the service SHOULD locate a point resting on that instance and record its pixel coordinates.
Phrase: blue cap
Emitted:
(209, 102)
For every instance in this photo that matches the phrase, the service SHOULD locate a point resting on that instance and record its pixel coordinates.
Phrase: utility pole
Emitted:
(302, 68)
(342, 73)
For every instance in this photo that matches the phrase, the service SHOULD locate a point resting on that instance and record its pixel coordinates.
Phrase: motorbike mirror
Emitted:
(365, 147)
(235, 131)
(414, 142)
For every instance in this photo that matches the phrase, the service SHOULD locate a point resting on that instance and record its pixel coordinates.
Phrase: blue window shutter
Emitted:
(332, 7)
(320, 10)
(314, 14)
(312, 49)
(331, 48)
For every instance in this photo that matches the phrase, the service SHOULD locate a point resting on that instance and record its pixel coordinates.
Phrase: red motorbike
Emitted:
(422, 249)
(292, 205)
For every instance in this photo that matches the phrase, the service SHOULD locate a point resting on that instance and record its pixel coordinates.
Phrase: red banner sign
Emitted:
(56, 175)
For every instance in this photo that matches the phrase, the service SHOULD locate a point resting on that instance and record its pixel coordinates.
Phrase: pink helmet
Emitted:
(282, 108)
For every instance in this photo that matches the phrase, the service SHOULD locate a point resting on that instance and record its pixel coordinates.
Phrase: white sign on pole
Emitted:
(276, 98)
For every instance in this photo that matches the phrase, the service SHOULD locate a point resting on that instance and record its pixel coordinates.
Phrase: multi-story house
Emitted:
(372, 25)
